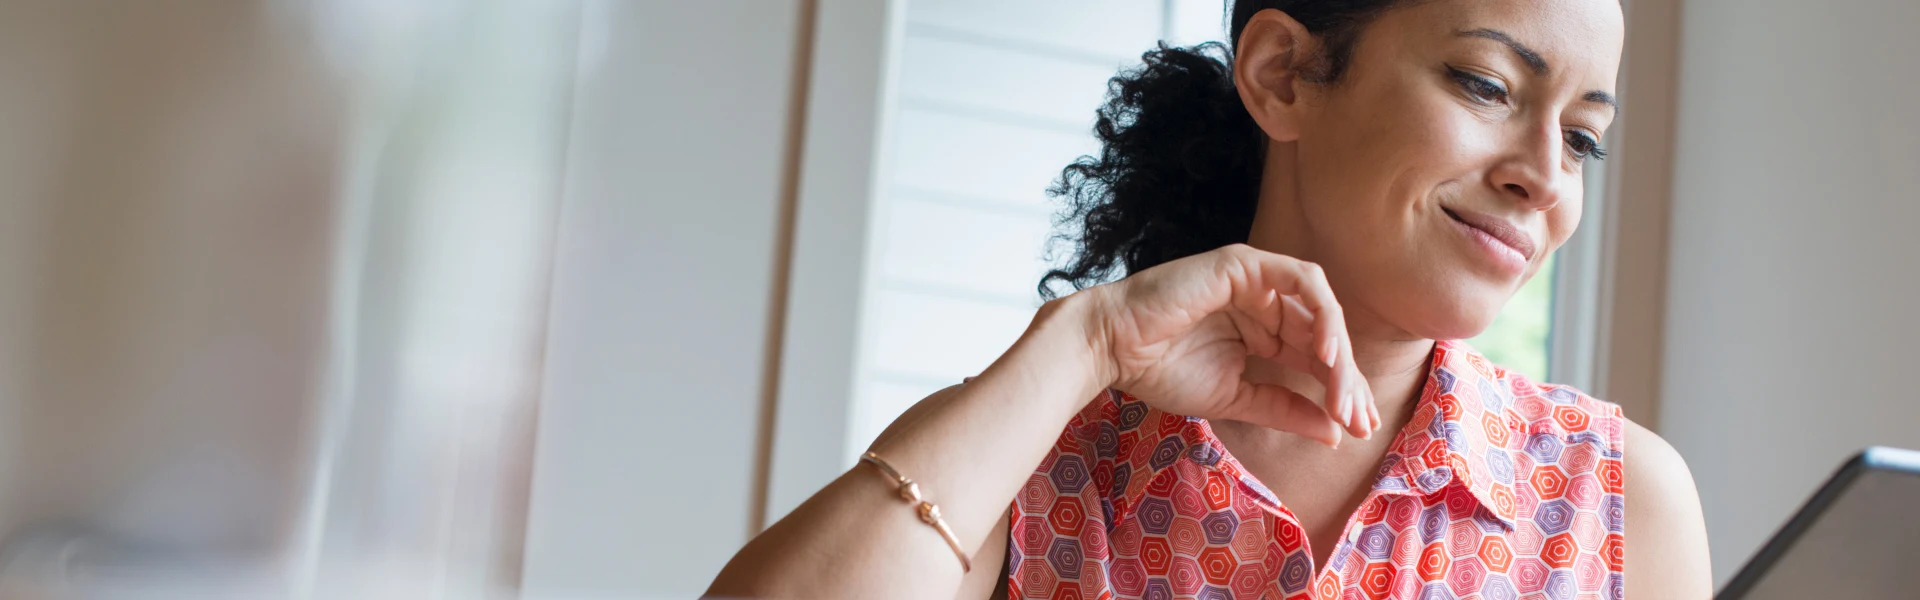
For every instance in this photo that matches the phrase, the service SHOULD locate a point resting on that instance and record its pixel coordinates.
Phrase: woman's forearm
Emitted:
(970, 449)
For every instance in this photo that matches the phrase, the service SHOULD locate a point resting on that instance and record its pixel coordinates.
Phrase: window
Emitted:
(1519, 337)
(992, 99)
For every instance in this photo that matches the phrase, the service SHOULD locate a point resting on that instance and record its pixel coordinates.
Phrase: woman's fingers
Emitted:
(1293, 357)
(1296, 329)
(1311, 289)
(1366, 414)
(1259, 340)
(1290, 302)
(1373, 409)
(1259, 272)
(1359, 420)
(1355, 411)
(1276, 407)
(1262, 308)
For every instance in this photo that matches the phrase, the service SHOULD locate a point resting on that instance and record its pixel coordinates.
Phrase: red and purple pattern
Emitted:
(1497, 489)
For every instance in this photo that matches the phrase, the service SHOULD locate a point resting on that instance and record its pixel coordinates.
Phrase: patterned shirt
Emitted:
(1498, 488)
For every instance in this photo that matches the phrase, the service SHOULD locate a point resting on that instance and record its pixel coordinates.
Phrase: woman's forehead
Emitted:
(1580, 38)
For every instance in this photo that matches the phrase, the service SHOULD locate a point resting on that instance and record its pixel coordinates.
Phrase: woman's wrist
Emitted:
(1067, 341)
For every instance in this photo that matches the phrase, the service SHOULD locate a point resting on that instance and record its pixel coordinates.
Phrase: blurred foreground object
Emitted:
(272, 291)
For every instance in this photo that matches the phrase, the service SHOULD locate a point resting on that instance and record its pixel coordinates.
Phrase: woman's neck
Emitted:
(1393, 361)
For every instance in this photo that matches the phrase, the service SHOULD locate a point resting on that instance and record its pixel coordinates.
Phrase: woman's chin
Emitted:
(1459, 333)
(1457, 320)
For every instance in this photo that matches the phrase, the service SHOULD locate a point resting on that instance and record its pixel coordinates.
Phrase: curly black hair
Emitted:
(1179, 167)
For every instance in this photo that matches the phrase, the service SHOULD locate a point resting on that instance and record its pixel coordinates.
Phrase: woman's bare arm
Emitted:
(1666, 534)
(986, 581)
(970, 448)
(989, 576)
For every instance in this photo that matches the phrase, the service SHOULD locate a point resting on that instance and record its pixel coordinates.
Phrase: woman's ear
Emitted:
(1274, 50)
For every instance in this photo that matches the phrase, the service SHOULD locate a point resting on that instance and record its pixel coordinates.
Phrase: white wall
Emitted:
(1791, 323)
(644, 467)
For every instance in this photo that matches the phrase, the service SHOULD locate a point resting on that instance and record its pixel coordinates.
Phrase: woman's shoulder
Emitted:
(1660, 504)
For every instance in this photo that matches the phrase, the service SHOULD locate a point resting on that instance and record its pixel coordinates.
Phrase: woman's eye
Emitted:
(1481, 88)
(1583, 146)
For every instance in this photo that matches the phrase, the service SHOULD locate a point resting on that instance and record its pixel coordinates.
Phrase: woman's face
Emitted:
(1436, 176)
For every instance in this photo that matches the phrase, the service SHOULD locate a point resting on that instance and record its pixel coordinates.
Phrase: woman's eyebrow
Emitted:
(1539, 65)
(1603, 98)
(1535, 62)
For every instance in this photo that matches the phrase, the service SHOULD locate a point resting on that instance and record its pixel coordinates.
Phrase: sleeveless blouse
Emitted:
(1497, 489)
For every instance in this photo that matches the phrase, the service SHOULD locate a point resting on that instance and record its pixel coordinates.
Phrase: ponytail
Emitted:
(1178, 171)
(1180, 161)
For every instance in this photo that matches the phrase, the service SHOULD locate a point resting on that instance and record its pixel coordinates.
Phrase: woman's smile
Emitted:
(1505, 246)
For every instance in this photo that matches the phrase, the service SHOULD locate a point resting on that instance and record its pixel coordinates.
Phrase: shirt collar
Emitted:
(1460, 431)
(1463, 429)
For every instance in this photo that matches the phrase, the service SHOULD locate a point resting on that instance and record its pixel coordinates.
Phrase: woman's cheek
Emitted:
(1564, 218)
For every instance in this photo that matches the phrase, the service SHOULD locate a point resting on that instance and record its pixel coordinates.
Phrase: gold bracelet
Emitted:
(929, 513)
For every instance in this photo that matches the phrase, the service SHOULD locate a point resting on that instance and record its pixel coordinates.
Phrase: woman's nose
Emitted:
(1530, 174)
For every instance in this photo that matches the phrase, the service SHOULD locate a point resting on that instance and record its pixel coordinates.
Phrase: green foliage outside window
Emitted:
(1518, 338)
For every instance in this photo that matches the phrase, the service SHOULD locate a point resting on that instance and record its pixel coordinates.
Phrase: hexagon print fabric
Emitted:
(1497, 489)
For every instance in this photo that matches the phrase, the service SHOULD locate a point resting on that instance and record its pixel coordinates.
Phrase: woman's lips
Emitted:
(1509, 245)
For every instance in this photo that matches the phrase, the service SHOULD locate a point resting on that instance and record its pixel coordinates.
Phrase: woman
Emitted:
(1277, 410)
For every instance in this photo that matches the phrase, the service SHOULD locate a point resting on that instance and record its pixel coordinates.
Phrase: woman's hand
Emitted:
(1177, 337)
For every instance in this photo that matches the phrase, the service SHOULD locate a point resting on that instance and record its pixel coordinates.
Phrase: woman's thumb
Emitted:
(1276, 407)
